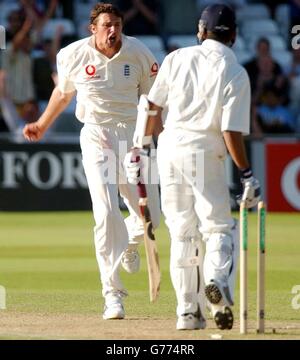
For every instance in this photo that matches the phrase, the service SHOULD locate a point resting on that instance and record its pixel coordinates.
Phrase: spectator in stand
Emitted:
(293, 73)
(11, 121)
(44, 67)
(39, 14)
(45, 9)
(270, 116)
(17, 64)
(15, 21)
(42, 73)
(140, 16)
(272, 5)
(263, 69)
(267, 75)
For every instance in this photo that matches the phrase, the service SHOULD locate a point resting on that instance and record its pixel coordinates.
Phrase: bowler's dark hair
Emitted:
(102, 8)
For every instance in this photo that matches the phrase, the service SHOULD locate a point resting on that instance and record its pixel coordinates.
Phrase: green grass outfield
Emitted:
(48, 268)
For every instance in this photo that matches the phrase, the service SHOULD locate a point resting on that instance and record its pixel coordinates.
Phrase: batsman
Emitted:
(203, 94)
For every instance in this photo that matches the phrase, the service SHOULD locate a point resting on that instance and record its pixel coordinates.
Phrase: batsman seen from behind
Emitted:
(108, 71)
(206, 94)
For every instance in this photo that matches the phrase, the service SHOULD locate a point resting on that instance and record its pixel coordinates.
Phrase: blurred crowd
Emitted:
(37, 29)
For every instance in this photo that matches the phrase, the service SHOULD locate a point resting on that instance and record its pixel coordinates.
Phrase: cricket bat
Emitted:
(149, 241)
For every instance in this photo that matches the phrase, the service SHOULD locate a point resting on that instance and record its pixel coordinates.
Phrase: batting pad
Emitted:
(186, 274)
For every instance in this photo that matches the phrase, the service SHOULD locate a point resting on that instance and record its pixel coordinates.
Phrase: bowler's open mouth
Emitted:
(112, 39)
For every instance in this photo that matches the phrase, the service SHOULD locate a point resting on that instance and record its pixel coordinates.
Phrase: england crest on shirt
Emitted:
(126, 70)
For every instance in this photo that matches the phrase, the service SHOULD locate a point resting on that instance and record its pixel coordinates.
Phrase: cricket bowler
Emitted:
(108, 71)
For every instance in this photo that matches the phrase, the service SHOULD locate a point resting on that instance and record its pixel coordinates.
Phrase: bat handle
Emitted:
(141, 187)
(142, 190)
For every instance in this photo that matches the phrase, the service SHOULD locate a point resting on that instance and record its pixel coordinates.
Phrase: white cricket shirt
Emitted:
(107, 89)
(204, 90)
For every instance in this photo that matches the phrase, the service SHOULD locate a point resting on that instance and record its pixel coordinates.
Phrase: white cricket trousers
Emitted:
(195, 202)
(103, 149)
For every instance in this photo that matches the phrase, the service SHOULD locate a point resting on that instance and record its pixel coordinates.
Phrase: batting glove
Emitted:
(251, 189)
(136, 163)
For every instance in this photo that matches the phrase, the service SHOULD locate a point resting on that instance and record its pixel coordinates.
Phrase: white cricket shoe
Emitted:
(190, 322)
(131, 260)
(113, 308)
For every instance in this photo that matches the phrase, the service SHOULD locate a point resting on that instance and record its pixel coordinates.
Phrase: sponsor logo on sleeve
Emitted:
(154, 69)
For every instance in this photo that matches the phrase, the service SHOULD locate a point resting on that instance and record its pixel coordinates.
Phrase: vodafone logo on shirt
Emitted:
(90, 70)
(283, 177)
